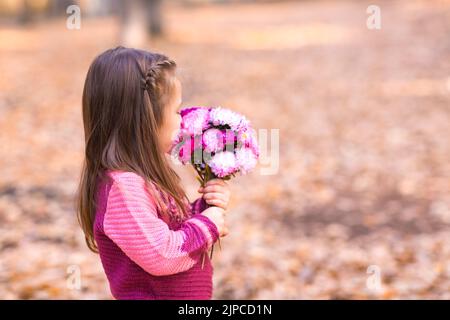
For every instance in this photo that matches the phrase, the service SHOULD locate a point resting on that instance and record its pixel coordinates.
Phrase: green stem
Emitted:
(203, 178)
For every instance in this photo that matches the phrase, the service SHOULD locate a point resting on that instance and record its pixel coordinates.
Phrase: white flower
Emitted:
(245, 159)
(221, 116)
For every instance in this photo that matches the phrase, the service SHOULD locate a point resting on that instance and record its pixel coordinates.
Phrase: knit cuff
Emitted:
(207, 226)
(198, 206)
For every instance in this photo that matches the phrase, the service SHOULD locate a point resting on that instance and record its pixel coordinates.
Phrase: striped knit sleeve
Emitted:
(131, 221)
(198, 205)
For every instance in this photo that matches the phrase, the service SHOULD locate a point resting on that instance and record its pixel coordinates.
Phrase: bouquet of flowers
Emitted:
(217, 142)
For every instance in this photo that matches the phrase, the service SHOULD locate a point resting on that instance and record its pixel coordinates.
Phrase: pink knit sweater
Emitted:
(145, 256)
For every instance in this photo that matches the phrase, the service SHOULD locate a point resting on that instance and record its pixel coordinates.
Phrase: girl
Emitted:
(132, 209)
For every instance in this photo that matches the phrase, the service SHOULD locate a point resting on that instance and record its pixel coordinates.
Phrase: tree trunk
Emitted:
(141, 19)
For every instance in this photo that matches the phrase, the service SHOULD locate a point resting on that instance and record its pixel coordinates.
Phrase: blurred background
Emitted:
(360, 205)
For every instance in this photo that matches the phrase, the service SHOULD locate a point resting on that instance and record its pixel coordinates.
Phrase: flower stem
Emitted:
(203, 177)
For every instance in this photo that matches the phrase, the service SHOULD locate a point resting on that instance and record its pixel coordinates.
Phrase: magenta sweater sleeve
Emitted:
(131, 221)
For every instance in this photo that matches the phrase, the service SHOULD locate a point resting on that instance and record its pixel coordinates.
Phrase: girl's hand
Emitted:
(216, 193)
(217, 216)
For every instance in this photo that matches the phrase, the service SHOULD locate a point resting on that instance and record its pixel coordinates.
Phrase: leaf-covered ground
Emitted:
(363, 118)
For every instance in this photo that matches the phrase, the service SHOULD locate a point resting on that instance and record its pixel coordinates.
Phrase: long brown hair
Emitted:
(124, 96)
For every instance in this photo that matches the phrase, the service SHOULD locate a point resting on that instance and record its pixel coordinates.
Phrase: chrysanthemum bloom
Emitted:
(217, 141)
(213, 140)
(194, 120)
(245, 159)
(247, 139)
(185, 147)
(223, 164)
(225, 117)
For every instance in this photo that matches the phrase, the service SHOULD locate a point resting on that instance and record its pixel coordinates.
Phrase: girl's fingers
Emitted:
(217, 203)
(214, 188)
(214, 195)
(217, 196)
(215, 185)
(219, 199)
(219, 182)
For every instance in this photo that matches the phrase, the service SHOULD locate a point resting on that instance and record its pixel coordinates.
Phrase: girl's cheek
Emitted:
(175, 124)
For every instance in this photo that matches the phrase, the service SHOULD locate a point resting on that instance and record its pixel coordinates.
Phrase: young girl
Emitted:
(132, 209)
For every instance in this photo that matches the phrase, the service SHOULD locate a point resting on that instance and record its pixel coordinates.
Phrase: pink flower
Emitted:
(184, 146)
(185, 111)
(194, 120)
(245, 159)
(229, 139)
(185, 154)
(247, 139)
(213, 140)
(226, 137)
(221, 117)
(223, 164)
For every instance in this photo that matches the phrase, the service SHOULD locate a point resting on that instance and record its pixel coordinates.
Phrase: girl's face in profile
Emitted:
(172, 117)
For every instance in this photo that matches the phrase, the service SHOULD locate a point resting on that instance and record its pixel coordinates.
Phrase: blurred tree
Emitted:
(29, 9)
(140, 19)
(155, 16)
(25, 14)
(58, 7)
